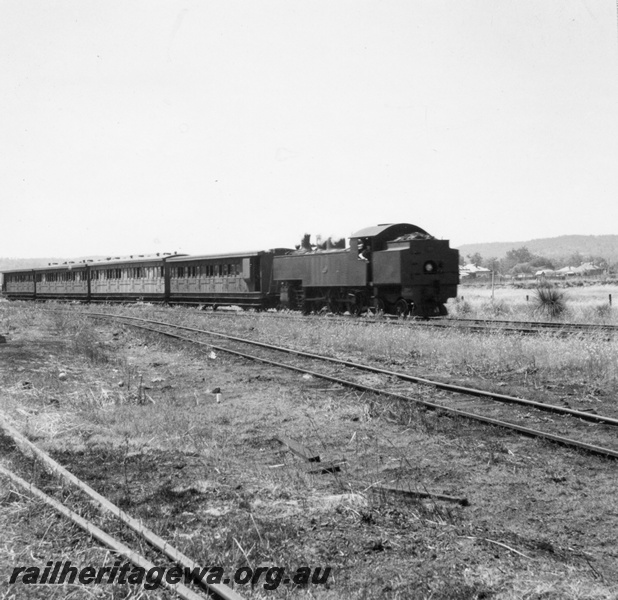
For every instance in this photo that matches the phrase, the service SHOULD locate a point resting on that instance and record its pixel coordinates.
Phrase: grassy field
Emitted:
(132, 414)
(584, 304)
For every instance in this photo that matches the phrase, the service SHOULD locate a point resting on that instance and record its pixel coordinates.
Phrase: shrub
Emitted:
(549, 300)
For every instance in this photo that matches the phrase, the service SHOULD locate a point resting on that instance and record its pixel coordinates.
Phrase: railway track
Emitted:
(567, 427)
(135, 529)
(514, 326)
(455, 323)
(502, 326)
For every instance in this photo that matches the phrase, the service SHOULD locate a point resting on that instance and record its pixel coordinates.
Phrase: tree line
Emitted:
(520, 261)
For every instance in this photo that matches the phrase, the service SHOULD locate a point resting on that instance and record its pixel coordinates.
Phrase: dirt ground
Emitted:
(139, 418)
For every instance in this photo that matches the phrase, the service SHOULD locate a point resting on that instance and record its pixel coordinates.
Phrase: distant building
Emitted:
(473, 272)
(589, 269)
(545, 273)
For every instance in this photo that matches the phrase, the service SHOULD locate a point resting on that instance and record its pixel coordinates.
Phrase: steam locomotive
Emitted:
(395, 268)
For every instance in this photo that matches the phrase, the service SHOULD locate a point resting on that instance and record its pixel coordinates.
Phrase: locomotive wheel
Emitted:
(355, 308)
(334, 302)
(401, 308)
(318, 306)
(358, 305)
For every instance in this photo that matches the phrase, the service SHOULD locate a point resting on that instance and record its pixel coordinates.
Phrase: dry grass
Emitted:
(586, 357)
(211, 478)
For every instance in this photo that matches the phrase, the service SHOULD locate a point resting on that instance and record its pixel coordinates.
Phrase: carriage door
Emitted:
(247, 273)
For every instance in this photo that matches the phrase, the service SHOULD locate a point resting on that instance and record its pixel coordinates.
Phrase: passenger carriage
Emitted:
(62, 281)
(18, 284)
(139, 278)
(242, 279)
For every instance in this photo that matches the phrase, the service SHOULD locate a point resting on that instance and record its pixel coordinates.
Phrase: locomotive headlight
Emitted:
(429, 267)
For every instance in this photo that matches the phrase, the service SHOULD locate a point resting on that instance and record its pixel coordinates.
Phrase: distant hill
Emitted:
(605, 246)
(7, 264)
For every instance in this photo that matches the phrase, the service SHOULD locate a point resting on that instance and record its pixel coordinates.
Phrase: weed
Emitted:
(603, 311)
(496, 308)
(462, 307)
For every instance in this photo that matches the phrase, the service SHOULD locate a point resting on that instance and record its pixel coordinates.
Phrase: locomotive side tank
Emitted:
(397, 268)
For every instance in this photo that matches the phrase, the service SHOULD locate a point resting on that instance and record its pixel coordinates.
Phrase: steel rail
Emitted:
(550, 325)
(138, 560)
(480, 325)
(599, 419)
(535, 433)
(52, 466)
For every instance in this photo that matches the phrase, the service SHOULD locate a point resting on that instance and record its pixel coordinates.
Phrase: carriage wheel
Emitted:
(380, 306)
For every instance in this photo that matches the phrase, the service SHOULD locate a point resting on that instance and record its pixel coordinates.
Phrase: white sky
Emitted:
(221, 125)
